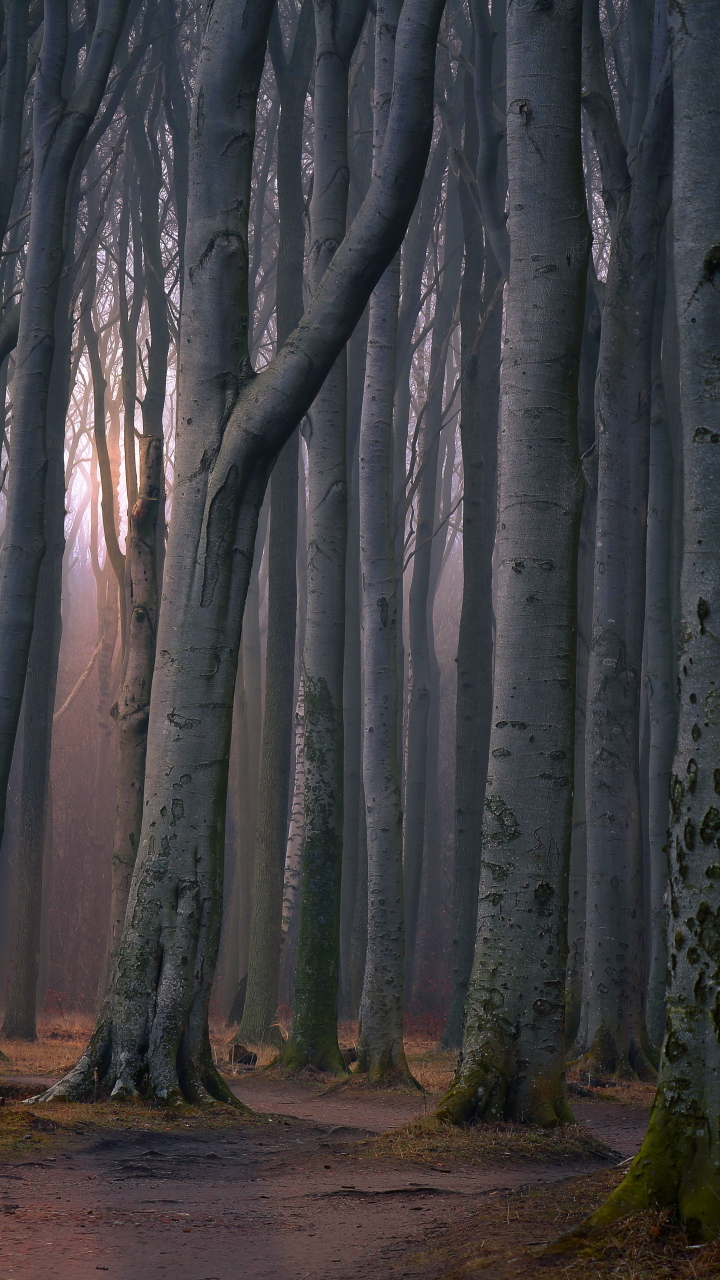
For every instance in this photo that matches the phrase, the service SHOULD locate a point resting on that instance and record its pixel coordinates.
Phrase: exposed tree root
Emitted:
(110, 1069)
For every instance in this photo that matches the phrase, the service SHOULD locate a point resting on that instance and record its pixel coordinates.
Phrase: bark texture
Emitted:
(151, 1036)
(678, 1164)
(612, 1036)
(59, 130)
(380, 1046)
(512, 1062)
(313, 1038)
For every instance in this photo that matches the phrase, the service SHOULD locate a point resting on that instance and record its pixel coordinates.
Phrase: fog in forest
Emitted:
(359, 581)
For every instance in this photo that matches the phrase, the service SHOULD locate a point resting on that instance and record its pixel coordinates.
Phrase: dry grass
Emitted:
(60, 1043)
(432, 1143)
(629, 1092)
(511, 1238)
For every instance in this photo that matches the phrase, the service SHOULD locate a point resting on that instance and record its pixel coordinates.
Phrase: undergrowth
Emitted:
(430, 1142)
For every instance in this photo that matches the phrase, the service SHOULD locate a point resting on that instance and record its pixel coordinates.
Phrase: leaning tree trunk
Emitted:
(512, 1061)
(380, 1046)
(59, 130)
(313, 1038)
(677, 1165)
(263, 974)
(152, 1032)
(612, 1036)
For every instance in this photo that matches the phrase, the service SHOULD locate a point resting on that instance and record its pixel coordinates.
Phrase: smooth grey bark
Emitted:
(260, 1010)
(677, 1165)
(132, 709)
(612, 1035)
(479, 399)
(59, 130)
(512, 1060)
(659, 678)
(577, 881)
(35, 831)
(381, 1052)
(152, 1033)
(360, 155)
(420, 629)
(313, 1037)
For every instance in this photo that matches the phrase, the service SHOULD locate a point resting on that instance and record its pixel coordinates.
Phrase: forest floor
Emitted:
(319, 1182)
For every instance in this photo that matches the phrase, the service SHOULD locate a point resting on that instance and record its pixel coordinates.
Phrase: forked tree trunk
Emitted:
(151, 1036)
(381, 1051)
(512, 1061)
(677, 1165)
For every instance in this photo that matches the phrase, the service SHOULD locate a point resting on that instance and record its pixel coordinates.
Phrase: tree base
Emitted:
(111, 1069)
(388, 1070)
(606, 1059)
(674, 1168)
(482, 1092)
(321, 1057)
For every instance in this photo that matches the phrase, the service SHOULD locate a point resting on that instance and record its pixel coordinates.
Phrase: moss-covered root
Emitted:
(606, 1058)
(323, 1054)
(481, 1093)
(674, 1168)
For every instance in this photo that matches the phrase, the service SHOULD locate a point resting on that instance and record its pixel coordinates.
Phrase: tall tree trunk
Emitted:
(35, 795)
(577, 881)
(132, 709)
(260, 1009)
(612, 1035)
(512, 1061)
(659, 678)
(313, 1038)
(420, 632)
(380, 1047)
(152, 1033)
(479, 399)
(677, 1165)
(59, 130)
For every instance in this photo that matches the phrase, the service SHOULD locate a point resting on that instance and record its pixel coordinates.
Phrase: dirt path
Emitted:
(290, 1199)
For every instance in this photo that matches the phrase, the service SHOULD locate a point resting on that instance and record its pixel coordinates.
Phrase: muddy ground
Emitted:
(298, 1194)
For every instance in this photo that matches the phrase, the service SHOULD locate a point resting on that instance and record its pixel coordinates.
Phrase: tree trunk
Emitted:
(479, 399)
(59, 130)
(420, 630)
(131, 711)
(677, 1165)
(612, 1035)
(152, 1033)
(380, 1047)
(260, 1009)
(512, 1061)
(313, 1038)
(39, 705)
